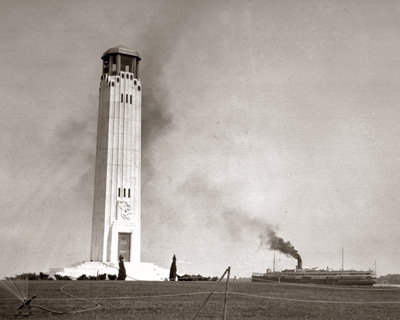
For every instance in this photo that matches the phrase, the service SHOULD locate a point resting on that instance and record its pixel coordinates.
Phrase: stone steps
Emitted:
(142, 271)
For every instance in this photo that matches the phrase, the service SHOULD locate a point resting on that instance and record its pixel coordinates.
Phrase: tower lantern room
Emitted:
(120, 59)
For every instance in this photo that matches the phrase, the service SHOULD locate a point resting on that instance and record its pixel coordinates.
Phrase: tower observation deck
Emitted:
(120, 59)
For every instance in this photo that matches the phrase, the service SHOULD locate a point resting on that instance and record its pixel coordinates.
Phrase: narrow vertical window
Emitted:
(112, 83)
(126, 98)
(138, 88)
(119, 192)
(122, 97)
(124, 193)
(134, 83)
(131, 99)
(129, 193)
(122, 76)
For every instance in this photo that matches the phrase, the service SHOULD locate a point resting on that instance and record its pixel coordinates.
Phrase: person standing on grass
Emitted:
(121, 271)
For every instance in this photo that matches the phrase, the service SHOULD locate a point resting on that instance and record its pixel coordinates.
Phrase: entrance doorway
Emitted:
(124, 246)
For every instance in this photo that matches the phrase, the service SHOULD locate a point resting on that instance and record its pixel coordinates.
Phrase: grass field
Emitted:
(181, 300)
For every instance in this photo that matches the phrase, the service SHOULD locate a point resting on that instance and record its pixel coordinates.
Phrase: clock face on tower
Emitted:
(124, 210)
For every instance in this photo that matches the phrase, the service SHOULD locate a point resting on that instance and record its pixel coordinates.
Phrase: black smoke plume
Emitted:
(270, 240)
(236, 222)
(156, 50)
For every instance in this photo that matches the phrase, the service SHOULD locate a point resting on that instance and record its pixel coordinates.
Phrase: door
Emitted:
(124, 246)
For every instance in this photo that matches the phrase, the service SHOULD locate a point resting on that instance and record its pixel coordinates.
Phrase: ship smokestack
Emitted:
(299, 263)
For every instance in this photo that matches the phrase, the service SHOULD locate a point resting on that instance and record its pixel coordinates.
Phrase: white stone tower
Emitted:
(117, 203)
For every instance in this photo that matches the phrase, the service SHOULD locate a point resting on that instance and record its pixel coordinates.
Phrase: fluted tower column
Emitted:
(117, 190)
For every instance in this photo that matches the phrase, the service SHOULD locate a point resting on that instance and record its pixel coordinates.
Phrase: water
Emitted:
(17, 287)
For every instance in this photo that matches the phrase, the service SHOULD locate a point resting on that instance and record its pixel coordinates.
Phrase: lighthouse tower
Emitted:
(116, 206)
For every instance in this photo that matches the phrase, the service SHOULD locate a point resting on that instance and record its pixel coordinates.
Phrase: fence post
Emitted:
(226, 292)
(209, 296)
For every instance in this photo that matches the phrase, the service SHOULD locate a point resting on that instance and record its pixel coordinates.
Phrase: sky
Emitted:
(257, 116)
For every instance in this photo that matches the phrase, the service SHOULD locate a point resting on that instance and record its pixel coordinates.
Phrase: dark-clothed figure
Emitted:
(122, 271)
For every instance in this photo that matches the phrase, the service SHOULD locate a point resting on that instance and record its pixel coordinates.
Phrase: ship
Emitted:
(317, 276)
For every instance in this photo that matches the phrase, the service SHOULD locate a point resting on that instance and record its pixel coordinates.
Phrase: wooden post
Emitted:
(209, 296)
(226, 292)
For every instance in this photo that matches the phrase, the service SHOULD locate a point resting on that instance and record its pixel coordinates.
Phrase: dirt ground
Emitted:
(182, 300)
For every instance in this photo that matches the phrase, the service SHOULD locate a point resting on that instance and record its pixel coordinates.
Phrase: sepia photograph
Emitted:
(200, 159)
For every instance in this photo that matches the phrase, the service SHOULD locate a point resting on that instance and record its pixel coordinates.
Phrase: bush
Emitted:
(112, 276)
(103, 276)
(27, 276)
(99, 277)
(43, 276)
(193, 277)
(60, 277)
(173, 270)
(32, 276)
(82, 277)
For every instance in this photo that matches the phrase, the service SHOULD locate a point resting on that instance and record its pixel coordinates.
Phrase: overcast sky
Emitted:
(255, 113)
